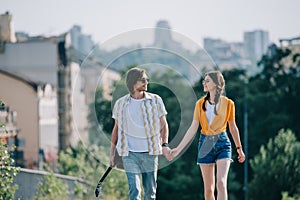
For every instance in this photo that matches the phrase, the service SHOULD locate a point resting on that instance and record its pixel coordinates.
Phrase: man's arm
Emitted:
(164, 134)
(164, 129)
(114, 140)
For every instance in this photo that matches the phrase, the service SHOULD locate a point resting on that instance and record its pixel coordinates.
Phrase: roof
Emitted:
(21, 78)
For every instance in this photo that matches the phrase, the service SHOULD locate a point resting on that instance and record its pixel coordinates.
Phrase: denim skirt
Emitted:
(213, 147)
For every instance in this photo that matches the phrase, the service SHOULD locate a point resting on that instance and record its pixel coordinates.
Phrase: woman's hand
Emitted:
(174, 152)
(241, 156)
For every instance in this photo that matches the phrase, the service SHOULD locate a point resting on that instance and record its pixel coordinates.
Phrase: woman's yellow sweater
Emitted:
(226, 112)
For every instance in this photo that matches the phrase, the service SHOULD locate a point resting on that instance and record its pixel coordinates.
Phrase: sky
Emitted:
(196, 19)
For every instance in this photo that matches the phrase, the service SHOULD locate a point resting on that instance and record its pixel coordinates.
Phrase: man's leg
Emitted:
(134, 186)
(149, 176)
(149, 183)
(132, 168)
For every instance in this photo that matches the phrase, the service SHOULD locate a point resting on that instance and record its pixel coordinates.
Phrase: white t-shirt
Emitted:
(136, 133)
(210, 113)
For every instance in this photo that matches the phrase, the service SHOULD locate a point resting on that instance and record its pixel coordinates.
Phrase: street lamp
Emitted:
(246, 136)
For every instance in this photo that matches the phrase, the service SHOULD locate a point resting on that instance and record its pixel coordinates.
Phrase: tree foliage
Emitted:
(8, 169)
(276, 168)
(285, 196)
(89, 163)
(7, 174)
(272, 101)
(51, 187)
(274, 96)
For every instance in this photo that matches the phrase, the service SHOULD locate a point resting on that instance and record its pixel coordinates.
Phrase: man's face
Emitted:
(141, 84)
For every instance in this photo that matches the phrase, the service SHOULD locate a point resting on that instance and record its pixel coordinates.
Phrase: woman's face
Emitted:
(208, 84)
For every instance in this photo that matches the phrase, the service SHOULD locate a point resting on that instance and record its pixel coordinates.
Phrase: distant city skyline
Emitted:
(226, 20)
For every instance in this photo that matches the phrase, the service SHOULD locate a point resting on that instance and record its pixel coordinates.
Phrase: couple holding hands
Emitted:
(140, 135)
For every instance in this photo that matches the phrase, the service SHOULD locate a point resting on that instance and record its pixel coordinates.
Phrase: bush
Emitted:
(276, 168)
(8, 173)
(51, 188)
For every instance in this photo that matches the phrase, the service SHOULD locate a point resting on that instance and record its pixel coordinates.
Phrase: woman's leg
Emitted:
(222, 174)
(208, 174)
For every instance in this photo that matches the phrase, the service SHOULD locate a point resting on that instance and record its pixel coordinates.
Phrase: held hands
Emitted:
(175, 152)
(167, 153)
(170, 154)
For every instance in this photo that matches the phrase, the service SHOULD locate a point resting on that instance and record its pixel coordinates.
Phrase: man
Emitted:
(140, 134)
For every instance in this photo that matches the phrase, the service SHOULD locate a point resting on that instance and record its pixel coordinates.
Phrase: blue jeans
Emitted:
(137, 165)
(213, 148)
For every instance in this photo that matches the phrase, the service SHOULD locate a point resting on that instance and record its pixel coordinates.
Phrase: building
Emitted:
(83, 43)
(256, 44)
(35, 104)
(45, 60)
(36, 59)
(7, 33)
(227, 55)
(52, 61)
(8, 128)
(163, 37)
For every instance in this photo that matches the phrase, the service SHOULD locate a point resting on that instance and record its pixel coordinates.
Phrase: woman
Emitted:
(213, 112)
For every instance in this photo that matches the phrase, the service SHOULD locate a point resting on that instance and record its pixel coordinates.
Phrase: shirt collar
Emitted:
(147, 96)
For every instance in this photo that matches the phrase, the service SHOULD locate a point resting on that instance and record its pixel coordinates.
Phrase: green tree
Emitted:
(273, 96)
(89, 163)
(8, 169)
(276, 168)
(51, 188)
(8, 173)
(285, 196)
(103, 111)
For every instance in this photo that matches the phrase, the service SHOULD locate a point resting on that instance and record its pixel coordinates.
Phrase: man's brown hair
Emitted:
(132, 76)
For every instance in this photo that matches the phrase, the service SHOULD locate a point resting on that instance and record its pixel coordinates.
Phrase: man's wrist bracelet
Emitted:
(165, 145)
(238, 147)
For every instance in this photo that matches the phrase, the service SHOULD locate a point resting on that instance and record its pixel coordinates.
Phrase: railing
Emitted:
(28, 181)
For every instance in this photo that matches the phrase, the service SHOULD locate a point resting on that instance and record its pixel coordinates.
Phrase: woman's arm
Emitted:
(237, 141)
(186, 139)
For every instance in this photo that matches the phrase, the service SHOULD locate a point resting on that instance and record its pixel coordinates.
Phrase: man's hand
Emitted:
(112, 161)
(167, 153)
(174, 152)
